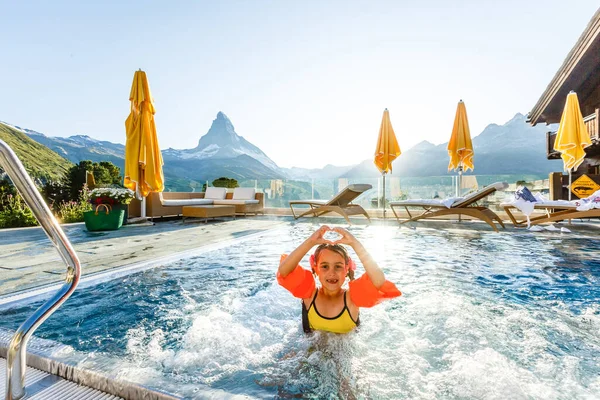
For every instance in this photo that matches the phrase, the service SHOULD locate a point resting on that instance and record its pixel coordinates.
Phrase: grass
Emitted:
(39, 161)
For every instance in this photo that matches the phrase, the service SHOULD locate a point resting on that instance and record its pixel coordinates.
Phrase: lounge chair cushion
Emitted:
(215, 193)
(244, 193)
(312, 201)
(451, 201)
(428, 202)
(235, 202)
(186, 202)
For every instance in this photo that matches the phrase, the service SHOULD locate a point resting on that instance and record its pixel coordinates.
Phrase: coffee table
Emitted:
(208, 211)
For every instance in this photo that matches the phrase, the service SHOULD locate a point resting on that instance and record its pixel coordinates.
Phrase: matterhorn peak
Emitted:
(221, 141)
(221, 133)
(223, 119)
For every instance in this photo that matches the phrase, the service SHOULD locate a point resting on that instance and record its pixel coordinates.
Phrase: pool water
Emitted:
(482, 316)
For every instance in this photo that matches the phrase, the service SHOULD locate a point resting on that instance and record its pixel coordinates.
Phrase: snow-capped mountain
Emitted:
(512, 148)
(222, 141)
(220, 152)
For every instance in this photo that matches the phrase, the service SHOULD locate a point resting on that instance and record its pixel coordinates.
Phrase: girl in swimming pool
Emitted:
(329, 307)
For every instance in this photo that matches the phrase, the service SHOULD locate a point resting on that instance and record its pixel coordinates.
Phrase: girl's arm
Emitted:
(375, 273)
(294, 258)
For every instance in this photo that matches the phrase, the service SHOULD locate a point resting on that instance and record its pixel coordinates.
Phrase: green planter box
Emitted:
(124, 208)
(103, 218)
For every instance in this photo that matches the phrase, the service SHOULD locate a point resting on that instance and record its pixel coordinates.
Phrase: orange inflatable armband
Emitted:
(300, 282)
(364, 294)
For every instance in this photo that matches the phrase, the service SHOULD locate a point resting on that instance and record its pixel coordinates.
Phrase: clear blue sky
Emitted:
(307, 82)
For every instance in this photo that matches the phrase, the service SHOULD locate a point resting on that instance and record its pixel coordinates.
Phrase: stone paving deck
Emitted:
(28, 259)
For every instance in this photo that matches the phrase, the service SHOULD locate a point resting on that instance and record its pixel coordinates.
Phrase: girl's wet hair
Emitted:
(336, 248)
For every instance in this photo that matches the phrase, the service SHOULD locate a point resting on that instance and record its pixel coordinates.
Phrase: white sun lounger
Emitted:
(433, 208)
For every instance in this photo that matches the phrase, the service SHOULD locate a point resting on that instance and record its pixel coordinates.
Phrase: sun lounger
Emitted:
(340, 204)
(433, 208)
(554, 211)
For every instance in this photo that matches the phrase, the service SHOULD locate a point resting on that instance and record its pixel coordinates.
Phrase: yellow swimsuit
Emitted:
(312, 320)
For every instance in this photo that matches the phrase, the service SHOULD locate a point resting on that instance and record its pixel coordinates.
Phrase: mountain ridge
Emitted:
(40, 162)
(511, 148)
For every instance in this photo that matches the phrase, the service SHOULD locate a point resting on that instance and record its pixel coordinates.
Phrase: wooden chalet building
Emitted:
(579, 72)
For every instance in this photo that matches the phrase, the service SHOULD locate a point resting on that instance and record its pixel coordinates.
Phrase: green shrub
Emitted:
(225, 182)
(55, 192)
(72, 211)
(6, 189)
(15, 212)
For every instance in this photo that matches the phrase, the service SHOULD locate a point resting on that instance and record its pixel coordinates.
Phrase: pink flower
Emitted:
(351, 264)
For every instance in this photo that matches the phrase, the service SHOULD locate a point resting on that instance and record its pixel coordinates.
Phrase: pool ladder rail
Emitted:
(17, 349)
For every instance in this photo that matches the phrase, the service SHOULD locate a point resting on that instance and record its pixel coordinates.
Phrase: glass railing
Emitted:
(279, 192)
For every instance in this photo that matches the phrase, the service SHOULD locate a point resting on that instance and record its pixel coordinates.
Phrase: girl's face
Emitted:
(331, 269)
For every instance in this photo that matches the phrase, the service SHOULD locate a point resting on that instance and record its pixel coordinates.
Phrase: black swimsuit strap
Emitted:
(357, 322)
(305, 324)
(314, 298)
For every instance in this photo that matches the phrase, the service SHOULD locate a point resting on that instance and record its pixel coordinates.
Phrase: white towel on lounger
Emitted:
(593, 201)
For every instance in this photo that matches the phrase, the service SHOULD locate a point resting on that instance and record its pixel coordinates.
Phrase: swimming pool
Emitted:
(483, 315)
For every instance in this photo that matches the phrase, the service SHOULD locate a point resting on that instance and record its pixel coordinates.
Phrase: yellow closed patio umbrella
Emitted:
(460, 147)
(387, 150)
(572, 136)
(143, 159)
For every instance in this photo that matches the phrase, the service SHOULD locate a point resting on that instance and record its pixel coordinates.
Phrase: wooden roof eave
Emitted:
(577, 53)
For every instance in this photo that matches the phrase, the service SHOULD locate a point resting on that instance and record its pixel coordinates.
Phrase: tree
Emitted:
(111, 174)
(105, 173)
(225, 182)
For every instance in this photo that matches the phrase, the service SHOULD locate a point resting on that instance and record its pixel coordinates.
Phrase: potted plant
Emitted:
(116, 198)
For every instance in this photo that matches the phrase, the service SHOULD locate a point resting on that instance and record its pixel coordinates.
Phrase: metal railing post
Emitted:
(17, 349)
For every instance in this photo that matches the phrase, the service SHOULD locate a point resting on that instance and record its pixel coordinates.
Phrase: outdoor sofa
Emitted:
(245, 200)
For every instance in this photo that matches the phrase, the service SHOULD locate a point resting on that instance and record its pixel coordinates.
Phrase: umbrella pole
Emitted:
(383, 175)
(569, 186)
(143, 208)
(460, 169)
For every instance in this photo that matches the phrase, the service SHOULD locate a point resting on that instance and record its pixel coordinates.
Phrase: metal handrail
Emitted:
(17, 349)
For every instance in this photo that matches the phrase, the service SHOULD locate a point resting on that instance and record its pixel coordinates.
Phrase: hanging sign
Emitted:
(584, 186)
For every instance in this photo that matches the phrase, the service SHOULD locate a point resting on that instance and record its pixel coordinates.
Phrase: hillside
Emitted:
(81, 147)
(39, 161)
